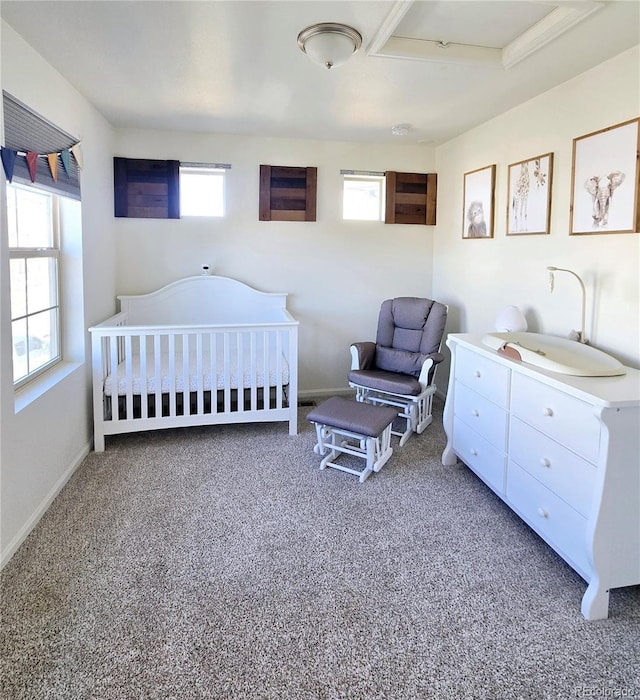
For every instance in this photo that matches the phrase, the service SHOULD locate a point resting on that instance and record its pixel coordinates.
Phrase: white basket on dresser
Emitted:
(562, 451)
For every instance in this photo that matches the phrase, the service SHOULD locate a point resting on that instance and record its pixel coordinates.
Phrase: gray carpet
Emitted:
(221, 563)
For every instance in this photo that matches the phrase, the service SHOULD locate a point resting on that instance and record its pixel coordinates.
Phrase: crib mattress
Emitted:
(220, 378)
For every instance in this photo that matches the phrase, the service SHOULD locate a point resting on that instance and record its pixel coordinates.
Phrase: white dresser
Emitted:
(562, 451)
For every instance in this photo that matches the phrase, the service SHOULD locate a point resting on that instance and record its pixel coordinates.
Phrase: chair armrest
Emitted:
(428, 371)
(362, 355)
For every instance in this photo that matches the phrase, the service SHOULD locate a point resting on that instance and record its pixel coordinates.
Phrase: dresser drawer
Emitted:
(562, 417)
(553, 519)
(563, 472)
(488, 462)
(480, 414)
(485, 376)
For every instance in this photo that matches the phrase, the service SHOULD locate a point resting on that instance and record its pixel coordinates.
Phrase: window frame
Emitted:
(52, 252)
(205, 170)
(355, 176)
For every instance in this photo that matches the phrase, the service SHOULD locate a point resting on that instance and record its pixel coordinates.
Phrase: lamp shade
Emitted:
(511, 319)
(329, 44)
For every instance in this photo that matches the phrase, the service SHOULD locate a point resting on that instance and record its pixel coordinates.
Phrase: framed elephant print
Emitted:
(479, 203)
(605, 180)
(529, 200)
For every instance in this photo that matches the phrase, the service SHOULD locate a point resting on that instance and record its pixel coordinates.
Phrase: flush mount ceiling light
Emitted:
(329, 43)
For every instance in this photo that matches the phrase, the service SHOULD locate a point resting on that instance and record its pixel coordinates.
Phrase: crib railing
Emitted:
(149, 377)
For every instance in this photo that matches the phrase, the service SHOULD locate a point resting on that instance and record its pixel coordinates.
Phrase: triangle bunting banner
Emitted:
(53, 165)
(32, 164)
(66, 163)
(8, 161)
(77, 154)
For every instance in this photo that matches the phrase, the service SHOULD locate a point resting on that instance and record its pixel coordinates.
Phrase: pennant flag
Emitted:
(53, 165)
(8, 161)
(66, 163)
(77, 154)
(32, 164)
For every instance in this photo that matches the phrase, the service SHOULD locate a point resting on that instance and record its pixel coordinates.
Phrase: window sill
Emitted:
(26, 395)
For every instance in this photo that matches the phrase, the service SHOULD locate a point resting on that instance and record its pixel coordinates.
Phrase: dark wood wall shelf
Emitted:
(287, 193)
(146, 189)
(411, 198)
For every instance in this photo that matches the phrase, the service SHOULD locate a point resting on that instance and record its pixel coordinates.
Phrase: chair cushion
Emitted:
(381, 380)
(393, 360)
(411, 323)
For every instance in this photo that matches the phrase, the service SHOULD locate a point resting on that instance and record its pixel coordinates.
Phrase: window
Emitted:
(392, 197)
(44, 242)
(363, 197)
(167, 189)
(32, 216)
(201, 190)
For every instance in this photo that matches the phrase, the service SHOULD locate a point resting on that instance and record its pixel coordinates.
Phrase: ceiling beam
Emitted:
(548, 28)
(393, 19)
(563, 17)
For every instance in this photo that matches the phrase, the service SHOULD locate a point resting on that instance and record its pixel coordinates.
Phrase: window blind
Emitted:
(205, 166)
(24, 130)
(362, 173)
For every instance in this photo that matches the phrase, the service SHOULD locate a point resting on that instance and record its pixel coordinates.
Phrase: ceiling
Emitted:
(233, 66)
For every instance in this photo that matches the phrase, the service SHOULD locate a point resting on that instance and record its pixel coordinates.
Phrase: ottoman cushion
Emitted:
(356, 417)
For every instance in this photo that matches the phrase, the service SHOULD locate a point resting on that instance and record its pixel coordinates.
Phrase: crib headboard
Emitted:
(205, 300)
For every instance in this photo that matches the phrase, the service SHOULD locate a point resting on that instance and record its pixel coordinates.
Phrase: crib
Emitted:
(202, 350)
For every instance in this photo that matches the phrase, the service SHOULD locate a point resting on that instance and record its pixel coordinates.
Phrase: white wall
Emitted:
(479, 277)
(43, 442)
(336, 272)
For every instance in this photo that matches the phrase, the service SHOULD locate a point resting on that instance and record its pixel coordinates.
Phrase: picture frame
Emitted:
(479, 203)
(529, 196)
(605, 180)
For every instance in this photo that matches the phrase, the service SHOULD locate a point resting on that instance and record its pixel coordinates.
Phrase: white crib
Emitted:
(201, 351)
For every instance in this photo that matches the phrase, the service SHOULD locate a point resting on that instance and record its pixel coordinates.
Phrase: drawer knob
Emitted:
(543, 513)
(474, 452)
(478, 374)
(548, 412)
(545, 462)
(475, 412)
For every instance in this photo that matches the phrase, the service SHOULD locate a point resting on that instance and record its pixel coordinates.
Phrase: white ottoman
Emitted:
(369, 426)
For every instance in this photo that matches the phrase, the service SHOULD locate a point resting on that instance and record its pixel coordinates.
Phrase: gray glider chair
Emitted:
(399, 368)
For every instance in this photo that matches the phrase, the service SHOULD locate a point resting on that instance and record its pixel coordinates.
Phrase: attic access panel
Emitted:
(287, 193)
(411, 198)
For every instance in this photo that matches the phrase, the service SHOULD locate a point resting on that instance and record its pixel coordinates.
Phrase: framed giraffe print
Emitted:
(479, 203)
(529, 200)
(606, 180)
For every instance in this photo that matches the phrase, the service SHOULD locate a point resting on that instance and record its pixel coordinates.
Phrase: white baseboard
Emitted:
(24, 531)
(322, 393)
